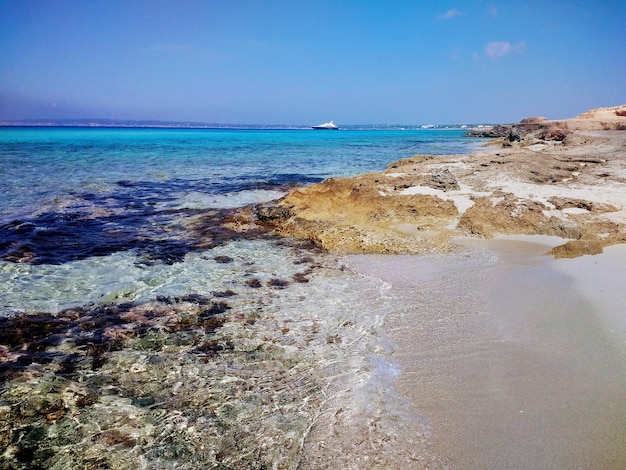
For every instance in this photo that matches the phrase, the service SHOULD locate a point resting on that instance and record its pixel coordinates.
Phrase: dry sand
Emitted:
(515, 360)
(602, 280)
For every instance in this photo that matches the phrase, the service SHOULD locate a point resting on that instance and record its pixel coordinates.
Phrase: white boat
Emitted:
(327, 126)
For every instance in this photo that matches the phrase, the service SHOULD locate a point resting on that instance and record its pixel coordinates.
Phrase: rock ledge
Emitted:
(561, 178)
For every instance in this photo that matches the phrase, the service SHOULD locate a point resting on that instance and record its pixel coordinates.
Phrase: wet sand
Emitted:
(514, 360)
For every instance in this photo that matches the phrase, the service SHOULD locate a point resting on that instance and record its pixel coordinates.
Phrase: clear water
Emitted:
(70, 197)
(132, 321)
(41, 164)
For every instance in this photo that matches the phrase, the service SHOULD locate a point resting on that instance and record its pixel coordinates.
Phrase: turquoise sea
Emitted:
(137, 330)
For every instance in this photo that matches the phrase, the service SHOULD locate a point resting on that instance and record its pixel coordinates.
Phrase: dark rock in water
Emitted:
(223, 259)
(196, 299)
(143, 401)
(300, 278)
(90, 334)
(278, 283)
(333, 339)
(226, 293)
(212, 348)
(105, 227)
(28, 331)
(70, 364)
(254, 283)
(215, 309)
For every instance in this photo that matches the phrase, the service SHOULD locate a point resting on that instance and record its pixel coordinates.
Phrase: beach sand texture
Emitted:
(510, 326)
(514, 360)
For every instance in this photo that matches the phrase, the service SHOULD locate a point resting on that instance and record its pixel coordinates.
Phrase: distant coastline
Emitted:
(124, 123)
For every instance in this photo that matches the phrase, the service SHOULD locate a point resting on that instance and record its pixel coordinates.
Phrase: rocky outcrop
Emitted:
(537, 129)
(493, 132)
(444, 180)
(532, 132)
(533, 120)
(357, 214)
(613, 118)
(555, 179)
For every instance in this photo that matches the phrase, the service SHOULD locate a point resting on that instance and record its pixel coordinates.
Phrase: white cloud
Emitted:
(497, 49)
(451, 13)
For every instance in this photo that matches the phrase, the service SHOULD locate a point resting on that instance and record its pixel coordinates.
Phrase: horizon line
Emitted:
(107, 122)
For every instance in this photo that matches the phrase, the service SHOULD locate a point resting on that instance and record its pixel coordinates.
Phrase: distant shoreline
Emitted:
(122, 124)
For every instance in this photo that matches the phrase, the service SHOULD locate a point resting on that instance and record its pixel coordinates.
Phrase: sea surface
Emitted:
(139, 329)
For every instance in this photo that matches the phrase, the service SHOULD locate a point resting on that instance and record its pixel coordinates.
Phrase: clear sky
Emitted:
(309, 61)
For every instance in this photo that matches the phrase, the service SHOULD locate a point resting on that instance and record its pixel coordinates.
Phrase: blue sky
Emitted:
(305, 62)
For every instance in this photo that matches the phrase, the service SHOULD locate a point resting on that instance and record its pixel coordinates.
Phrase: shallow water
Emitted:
(281, 362)
(159, 166)
(139, 331)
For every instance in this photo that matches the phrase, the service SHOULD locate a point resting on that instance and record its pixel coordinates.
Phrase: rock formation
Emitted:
(563, 178)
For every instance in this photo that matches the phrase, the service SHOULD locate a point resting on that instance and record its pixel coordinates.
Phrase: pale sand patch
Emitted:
(510, 355)
(461, 198)
(610, 193)
(601, 279)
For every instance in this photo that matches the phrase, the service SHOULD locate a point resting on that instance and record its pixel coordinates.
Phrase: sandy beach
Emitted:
(452, 311)
(507, 270)
(513, 363)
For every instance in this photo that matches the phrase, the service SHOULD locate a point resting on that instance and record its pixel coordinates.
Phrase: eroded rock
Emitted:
(556, 180)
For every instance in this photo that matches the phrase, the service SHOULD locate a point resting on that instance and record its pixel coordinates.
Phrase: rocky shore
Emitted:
(561, 178)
